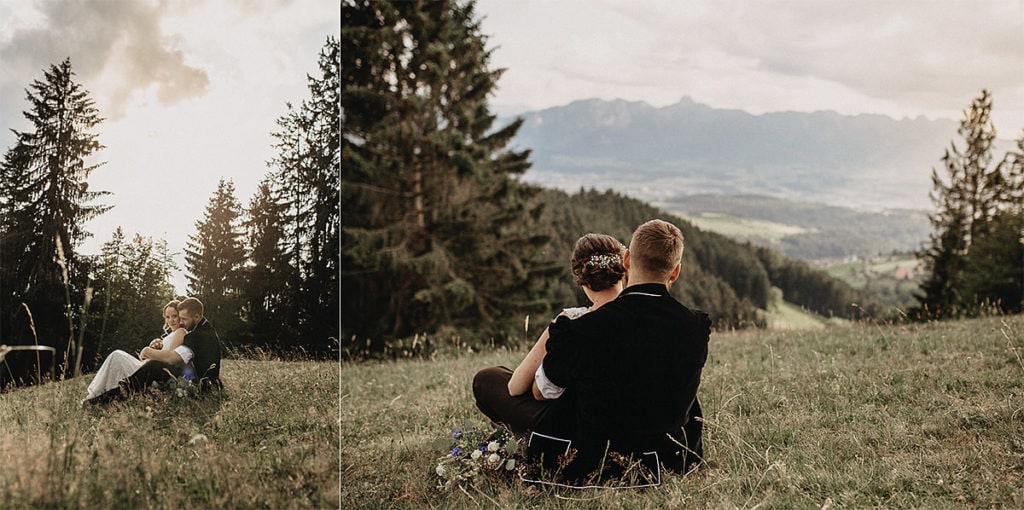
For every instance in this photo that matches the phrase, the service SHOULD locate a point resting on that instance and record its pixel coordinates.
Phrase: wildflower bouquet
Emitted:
(179, 387)
(472, 453)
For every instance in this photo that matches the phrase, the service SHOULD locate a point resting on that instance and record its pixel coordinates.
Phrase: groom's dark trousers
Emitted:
(520, 414)
(152, 371)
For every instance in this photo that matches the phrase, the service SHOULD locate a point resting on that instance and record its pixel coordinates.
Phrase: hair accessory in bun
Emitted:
(603, 260)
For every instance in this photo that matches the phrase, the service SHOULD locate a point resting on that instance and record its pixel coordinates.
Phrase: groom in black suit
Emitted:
(621, 378)
(197, 359)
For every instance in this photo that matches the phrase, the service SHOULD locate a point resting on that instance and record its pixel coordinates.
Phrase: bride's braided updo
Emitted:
(597, 261)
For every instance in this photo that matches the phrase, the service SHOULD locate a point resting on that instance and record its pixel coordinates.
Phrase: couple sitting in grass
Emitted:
(190, 349)
(614, 381)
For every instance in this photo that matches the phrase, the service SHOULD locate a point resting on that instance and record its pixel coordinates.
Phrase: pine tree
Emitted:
(268, 291)
(1012, 169)
(321, 111)
(975, 208)
(305, 178)
(994, 269)
(110, 277)
(943, 256)
(437, 228)
(293, 192)
(132, 286)
(45, 201)
(214, 261)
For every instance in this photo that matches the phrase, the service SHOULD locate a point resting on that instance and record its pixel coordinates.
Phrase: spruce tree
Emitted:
(110, 276)
(324, 146)
(976, 204)
(438, 230)
(214, 258)
(132, 285)
(305, 180)
(943, 256)
(45, 200)
(1012, 169)
(268, 290)
(994, 269)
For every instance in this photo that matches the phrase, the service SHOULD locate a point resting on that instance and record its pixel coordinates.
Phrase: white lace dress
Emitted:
(575, 313)
(117, 366)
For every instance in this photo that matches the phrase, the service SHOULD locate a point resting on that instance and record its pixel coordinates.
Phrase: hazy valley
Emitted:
(847, 193)
(659, 154)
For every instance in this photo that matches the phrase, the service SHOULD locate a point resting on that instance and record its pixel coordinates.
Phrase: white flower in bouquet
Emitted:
(510, 465)
(493, 458)
(476, 454)
(440, 470)
(493, 446)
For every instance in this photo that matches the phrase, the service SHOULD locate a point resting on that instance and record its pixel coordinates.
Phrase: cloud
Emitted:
(890, 49)
(912, 53)
(103, 39)
(898, 58)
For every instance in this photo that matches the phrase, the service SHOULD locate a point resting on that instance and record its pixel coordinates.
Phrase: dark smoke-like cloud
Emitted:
(92, 33)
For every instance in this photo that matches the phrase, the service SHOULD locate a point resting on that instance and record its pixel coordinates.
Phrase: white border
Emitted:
(568, 444)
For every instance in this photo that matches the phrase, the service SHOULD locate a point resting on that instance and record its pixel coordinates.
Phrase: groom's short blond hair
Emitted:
(193, 305)
(656, 247)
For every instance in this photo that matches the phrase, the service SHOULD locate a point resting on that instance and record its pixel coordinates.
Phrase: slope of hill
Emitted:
(270, 440)
(923, 415)
(656, 153)
(733, 281)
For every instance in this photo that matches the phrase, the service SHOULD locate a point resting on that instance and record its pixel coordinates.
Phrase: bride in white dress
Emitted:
(120, 364)
(598, 269)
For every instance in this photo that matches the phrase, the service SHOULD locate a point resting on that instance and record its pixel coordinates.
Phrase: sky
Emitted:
(905, 58)
(190, 91)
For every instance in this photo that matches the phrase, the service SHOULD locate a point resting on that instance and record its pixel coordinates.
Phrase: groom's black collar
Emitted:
(198, 325)
(658, 289)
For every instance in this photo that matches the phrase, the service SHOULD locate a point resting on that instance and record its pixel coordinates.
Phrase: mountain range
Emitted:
(863, 161)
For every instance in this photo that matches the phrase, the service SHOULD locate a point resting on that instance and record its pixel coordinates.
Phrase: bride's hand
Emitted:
(157, 344)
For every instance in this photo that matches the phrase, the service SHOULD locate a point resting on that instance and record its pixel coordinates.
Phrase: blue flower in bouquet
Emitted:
(489, 454)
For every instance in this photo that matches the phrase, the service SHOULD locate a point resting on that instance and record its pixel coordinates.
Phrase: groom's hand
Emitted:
(145, 353)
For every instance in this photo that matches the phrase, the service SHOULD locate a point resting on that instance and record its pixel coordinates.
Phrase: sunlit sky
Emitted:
(899, 58)
(190, 90)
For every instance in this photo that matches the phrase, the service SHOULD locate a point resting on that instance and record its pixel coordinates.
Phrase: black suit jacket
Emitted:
(206, 351)
(631, 370)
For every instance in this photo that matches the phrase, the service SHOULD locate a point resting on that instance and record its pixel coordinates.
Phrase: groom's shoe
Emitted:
(121, 392)
(102, 399)
(124, 390)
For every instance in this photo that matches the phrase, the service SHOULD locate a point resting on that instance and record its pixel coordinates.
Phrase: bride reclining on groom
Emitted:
(192, 352)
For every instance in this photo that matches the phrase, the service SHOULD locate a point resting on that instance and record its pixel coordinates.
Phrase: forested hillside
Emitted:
(730, 280)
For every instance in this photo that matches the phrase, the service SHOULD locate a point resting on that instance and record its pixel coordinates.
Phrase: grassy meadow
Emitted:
(270, 440)
(739, 227)
(896, 416)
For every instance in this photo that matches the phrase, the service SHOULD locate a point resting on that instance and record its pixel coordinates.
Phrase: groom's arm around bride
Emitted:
(198, 358)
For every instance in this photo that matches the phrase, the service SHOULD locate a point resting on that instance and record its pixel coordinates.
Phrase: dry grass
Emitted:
(911, 416)
(269, 441)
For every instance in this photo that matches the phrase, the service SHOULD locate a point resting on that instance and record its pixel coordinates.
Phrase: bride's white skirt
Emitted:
(117, 366)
